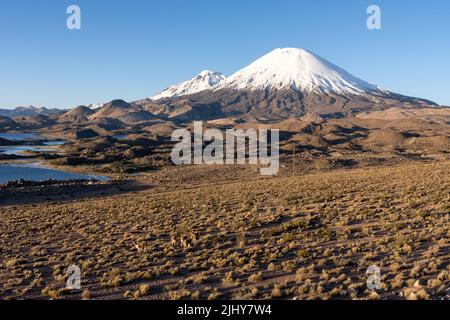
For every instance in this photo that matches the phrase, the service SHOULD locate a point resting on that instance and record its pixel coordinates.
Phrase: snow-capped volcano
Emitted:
(284, 83)
(203, 81)
(295, 69)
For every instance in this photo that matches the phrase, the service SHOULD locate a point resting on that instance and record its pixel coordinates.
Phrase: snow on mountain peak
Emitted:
(203, 81)
(298, 69)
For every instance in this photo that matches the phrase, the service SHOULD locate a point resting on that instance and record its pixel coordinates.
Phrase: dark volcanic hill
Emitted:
(122, 111)
(7, 123)
(33, 122)
(79, 114)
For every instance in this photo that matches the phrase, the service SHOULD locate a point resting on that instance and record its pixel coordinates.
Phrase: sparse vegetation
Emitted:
(306, 237)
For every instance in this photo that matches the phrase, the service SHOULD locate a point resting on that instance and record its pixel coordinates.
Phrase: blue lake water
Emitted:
(17, 150)
(35, 173)
(19, 136)
(54, 143)
(38, 146)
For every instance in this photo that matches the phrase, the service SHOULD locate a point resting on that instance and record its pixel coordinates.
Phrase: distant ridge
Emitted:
(29, 111)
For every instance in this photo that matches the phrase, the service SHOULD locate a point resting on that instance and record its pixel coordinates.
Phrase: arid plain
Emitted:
(308, 236)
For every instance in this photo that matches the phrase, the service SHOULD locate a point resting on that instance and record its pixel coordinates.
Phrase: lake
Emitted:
(15, 136)
(18, 150)
(120, 136)
(34, 172)
(38, 146)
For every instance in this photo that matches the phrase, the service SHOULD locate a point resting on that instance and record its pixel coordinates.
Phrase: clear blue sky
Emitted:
(132, 49)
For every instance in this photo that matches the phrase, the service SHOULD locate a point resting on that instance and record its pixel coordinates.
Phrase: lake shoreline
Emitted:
(32, 192)
(39, 172)
(31, 151)
(29, 176)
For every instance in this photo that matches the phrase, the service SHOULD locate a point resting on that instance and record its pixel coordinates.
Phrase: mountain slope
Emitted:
(203, 81)
(6, 123)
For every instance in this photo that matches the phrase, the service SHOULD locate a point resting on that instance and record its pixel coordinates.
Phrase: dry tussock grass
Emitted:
(307, 237)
